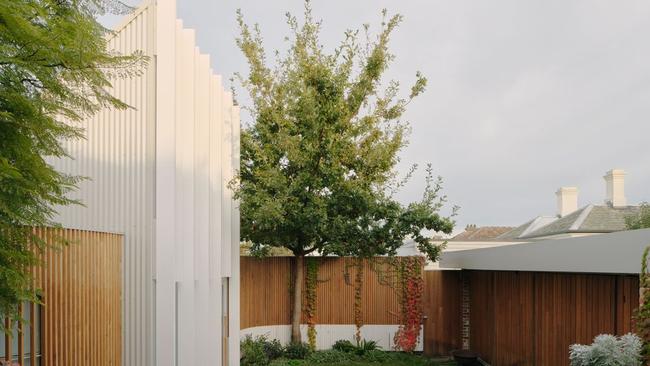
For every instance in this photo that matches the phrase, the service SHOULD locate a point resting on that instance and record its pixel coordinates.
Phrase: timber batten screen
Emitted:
(265, 302)
(531, 318)
(80, 320)
(24, 345)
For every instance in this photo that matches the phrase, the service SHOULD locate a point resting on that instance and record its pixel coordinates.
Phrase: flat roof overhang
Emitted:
(618, 252)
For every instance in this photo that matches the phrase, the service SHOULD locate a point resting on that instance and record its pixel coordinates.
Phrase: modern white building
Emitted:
(158, 173)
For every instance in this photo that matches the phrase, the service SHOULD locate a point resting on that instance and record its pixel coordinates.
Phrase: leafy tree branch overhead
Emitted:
(318, 160)
(641, 220)
(54, 69)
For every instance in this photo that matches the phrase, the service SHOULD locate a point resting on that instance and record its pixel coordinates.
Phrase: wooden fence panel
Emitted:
(482, 312)
(513, 321)
(265, 297)
(442, 308)
(264, 291)
(531, 318)
(266, 284)
(627, 302)
(334, 292)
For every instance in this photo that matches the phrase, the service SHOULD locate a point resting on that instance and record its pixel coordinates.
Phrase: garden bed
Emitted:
(379, 358)
(261, 351)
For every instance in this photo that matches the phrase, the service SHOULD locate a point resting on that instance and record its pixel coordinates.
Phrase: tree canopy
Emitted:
(318, 160)
(54, 68)
(641, 220)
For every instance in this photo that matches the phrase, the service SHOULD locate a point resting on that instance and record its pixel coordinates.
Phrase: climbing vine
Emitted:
(404, 276)
(643, 313)
(357, 283)
(311, 280)
(358, 288)
(410, 290)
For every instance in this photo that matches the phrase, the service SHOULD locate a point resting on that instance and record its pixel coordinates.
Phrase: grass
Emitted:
(391, 358)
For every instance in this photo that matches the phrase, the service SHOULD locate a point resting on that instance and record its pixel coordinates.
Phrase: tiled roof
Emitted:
(561, 225)
(515, 233)
(481, 233)
(525, 229)
(589, 219)
(605, 218)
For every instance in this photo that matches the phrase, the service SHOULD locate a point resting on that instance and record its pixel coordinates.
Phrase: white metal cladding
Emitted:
(158, 173)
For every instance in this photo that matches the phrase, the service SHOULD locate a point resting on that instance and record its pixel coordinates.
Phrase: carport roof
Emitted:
(618, 252)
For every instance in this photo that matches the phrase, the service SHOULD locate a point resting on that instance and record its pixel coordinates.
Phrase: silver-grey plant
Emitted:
(608, 350)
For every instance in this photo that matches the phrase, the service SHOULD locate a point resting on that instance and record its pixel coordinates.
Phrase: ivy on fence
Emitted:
(410, 292)
(404, 275)
(310, 305)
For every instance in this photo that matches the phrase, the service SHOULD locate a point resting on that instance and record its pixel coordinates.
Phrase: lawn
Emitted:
(391, 358)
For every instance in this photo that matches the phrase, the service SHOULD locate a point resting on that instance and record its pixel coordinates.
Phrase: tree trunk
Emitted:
(297, 298)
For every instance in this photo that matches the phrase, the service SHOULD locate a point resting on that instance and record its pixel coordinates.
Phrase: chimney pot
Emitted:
(567, 200)
(615, 188)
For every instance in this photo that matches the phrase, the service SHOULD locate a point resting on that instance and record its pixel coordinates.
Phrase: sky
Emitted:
(523, 96)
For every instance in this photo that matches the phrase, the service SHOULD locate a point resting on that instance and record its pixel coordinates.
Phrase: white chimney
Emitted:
(615, 185)
(567, 200)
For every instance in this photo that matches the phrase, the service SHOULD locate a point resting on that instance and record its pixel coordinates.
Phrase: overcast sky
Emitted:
(523, 96)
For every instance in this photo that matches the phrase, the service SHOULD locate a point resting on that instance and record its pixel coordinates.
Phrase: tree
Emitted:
(641, 220)
(642, 315)
(318, 163)
(54, 68)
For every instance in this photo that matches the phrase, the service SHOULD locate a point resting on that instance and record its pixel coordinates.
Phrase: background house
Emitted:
(571, 221)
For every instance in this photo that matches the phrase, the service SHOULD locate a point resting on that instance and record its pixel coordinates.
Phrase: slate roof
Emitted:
(516, 232)
(484, 233)
(588, 219)
(525, 229)
(605, 218)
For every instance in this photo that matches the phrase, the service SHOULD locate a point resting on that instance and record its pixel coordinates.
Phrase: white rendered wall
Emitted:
(158, 173)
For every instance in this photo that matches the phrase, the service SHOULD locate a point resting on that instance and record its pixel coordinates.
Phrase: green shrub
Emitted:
(343, 345)
(328, 357)
(283, 362)
(273, 349)
(376, 355)
(361, 348)
(365, 346)
(297, 351)
(252, 351)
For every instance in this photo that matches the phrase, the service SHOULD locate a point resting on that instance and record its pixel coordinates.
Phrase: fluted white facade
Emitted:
(158, 173)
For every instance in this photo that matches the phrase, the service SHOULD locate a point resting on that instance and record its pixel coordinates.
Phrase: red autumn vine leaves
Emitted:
(410, 292)
(406, 280)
